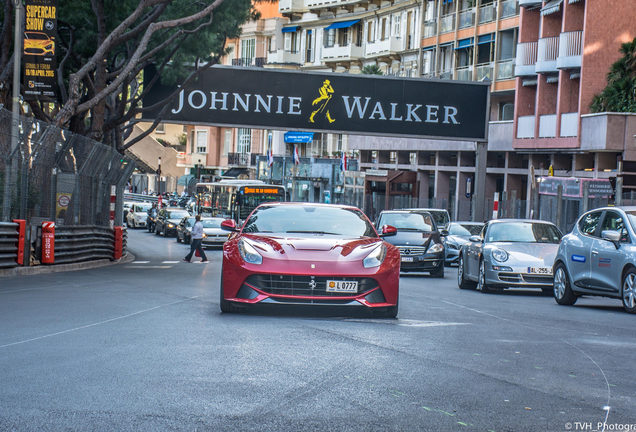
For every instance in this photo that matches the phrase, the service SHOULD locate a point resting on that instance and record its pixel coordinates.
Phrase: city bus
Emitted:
(235, 199)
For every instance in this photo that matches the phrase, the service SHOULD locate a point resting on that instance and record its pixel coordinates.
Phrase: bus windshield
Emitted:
(235, 199)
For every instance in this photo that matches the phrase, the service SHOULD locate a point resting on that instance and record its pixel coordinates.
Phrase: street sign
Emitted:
(469, 187)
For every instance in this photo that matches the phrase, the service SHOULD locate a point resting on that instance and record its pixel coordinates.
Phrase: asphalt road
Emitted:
(142, 346)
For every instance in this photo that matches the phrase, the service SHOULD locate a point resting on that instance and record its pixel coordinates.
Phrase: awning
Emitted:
(484, 39)
(464, 43)
(234, 172)
(342, 24)
(551, 7)
(299, 137)
(291, 29)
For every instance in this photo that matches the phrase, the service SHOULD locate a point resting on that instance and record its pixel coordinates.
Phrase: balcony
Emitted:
(547, 126)
(505, 69)
(526, 59)
(241, 159)
(464, 73)
(466, 18)
(525, 127)
(445, 74)
(342, 53)
(570, 44)
(320, 4)
(249, 62)
(430, 28)
(447, 23)
(484, 71)
(283, 57)
(569, 124)
(530, 3)
(291, 6)
(388, 46)
(487, 13)
(509, 8)
(547, 53)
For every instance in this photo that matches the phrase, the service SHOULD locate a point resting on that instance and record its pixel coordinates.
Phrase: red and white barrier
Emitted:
(495, 206)
(21, 232)
(113, 200)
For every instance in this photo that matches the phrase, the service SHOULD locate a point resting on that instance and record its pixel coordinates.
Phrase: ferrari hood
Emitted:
(314, 247)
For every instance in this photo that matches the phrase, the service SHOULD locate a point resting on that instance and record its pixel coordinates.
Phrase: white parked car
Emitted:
(138, 215)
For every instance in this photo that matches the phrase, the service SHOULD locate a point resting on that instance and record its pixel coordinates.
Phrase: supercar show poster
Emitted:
(39, 63)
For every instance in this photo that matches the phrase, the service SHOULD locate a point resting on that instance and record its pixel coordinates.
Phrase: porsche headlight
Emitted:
(375, 257)
(435, 248)
(500, 255)
(249, 253)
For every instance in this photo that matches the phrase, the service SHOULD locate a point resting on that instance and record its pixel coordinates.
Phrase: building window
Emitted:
(227, 142)
(161, 128)
(330, 38)
(339, 142)
(192, 141)
(343, 37)
(270, 44)
(202, 141)
(393, 157)
(358, 35)
(309, 54)
(244, 140)
(248, 51)
(370, 31)
(383, 32)
(397, 24)
(291, 42)
(506, 111)
(428, 62)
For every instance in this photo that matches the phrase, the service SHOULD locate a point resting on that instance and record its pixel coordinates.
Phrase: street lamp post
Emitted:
(159, 175)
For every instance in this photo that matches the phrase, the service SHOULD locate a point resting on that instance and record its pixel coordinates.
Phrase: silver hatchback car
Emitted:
(598, 258)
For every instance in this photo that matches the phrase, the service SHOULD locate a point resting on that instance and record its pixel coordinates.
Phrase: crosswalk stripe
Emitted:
(169, 262)
(140, 262)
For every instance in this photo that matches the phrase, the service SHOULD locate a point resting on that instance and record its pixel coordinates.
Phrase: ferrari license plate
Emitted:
(540, 270)
(407, 259)
(342, 286)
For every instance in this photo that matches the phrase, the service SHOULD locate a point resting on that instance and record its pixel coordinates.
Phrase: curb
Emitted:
(44, 269)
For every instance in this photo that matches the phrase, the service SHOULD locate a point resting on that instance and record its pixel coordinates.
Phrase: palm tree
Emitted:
(372, 70)
(620, 93)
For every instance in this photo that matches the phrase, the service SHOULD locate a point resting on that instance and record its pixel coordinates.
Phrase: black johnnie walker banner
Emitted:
(328, 102)
(39, 63)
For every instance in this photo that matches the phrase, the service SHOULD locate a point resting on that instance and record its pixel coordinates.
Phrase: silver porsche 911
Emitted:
(509, 253)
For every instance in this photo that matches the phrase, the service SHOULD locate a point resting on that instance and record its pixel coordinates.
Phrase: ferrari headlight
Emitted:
(204, 235)
(249, 253)
(375, 257)
(435, 248)
(170, 225)
(500, 255)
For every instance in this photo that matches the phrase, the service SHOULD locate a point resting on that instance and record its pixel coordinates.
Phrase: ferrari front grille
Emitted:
(307, 286)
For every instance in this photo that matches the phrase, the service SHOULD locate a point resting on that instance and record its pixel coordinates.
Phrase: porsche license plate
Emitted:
(407, 259)
(342, 286)
(540, 270)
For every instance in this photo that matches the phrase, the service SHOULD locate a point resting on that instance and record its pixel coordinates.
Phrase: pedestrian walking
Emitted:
(197, 236)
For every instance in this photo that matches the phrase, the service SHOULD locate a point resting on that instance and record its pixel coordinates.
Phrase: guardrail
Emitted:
(83, 243)
(9, 244)
(139, 197)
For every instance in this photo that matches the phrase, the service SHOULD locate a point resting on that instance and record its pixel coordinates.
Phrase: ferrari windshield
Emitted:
(308, 219)
(523, 232)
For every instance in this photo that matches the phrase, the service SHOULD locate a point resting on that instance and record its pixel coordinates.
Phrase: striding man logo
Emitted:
(325, 92)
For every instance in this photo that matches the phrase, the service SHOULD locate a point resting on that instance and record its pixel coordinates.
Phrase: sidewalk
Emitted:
(44, 269)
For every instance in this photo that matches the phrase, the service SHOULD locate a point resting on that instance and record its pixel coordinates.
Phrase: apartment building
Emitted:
(565, 50)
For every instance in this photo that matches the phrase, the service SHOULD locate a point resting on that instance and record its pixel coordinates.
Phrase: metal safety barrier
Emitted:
(83, 243)
(139, 197)
(9, 244)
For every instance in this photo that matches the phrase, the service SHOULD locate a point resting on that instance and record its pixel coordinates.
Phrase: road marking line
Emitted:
(170, 262)
(140, 262)
(149, 267)
(99, 323)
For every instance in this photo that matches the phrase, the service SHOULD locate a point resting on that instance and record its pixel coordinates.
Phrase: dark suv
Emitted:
(418, 239)
(167, 221)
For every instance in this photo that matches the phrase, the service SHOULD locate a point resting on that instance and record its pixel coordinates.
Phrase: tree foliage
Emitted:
(104, 46)
(620, 93)
(372, 70)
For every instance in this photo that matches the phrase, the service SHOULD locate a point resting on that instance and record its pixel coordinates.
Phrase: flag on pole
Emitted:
(343, 162)
(296, 155)
(270, 157)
